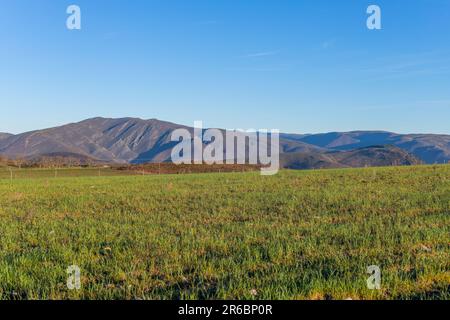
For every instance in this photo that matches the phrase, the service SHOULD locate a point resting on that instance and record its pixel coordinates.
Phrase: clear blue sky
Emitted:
(300, 66)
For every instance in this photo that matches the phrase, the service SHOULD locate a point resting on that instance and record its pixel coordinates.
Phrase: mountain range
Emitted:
(133, 140)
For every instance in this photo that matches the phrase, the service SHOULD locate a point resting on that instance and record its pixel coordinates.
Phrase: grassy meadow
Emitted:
(295, 235)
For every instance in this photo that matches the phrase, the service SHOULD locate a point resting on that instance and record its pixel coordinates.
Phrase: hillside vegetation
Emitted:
(296, 235)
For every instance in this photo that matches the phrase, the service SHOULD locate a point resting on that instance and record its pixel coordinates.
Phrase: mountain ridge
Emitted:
(135, 140)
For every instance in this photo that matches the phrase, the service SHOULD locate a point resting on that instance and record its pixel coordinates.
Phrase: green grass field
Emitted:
(15, 173)
(296, 235)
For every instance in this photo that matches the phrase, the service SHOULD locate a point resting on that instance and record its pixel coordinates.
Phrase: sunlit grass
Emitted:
(296, 235)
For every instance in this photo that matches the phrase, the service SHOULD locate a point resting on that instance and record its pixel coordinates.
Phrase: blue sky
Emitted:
(300, 66)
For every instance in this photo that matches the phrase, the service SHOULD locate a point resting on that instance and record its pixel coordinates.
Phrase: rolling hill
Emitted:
(374, 156)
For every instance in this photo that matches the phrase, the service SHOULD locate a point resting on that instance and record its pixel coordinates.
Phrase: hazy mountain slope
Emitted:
(427, 147)
(375, 156)
(307, 160)
(60, 159)
(4, 135)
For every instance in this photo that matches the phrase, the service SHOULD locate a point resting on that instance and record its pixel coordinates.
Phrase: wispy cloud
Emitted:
(424, 64)
(261, 54)
(419, 104)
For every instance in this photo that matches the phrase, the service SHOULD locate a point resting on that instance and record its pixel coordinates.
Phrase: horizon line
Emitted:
(287, 132)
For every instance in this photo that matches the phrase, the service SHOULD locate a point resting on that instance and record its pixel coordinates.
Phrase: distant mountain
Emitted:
(308, 160)
(430, 148)
(374, 156)
(133, 140)
(4, 135)
(110, 140)
(125, 140)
